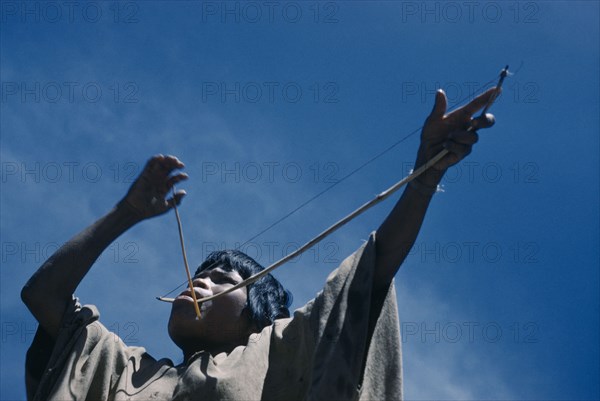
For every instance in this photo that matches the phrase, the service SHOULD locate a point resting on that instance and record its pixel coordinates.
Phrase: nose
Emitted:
(202, 283)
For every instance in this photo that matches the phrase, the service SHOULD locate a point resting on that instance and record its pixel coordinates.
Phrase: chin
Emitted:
(180, 331)
(182, 324)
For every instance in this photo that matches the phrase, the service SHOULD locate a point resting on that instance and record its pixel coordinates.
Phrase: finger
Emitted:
(464, 137)
(154, 162)
(164, 165)
(176, 199)
(176, 178)
(154, 167)
(485, 121)
(440, 105)
(173, 162)
(479, 102)
(458, 150)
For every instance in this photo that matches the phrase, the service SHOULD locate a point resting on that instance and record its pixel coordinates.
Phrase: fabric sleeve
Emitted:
(82, 363)
(328, 341)
(36, 360)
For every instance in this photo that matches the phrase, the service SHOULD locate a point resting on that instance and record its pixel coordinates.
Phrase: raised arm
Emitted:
(399, 230)
(50, 289)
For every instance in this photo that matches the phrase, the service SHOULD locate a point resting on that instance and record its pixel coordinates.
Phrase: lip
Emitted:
(187, 294)
(184, 298)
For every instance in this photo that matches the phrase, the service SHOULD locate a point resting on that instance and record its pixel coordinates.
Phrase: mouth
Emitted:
(183, 297)
(187, 295)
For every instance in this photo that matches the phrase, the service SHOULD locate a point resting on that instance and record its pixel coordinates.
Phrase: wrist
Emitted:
(127, 213)
(427, 183)
(423, 189)
(431, 177)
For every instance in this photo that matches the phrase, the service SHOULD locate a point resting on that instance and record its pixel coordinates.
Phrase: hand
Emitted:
(147, 196)
(449, 131)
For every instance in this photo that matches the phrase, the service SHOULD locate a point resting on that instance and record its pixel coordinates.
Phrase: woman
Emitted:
(344, 344)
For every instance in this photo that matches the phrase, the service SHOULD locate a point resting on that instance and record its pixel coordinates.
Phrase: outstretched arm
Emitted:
(398, 232)
(50, 289)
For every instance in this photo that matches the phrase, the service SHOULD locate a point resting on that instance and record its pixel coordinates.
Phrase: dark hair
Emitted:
(267, 299)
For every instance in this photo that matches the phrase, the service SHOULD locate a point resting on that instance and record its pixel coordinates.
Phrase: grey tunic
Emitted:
(322, 352)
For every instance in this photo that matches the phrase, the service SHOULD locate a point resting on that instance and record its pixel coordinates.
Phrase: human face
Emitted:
(224, 321)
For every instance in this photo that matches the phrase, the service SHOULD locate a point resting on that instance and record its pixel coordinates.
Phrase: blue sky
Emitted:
(268, 104)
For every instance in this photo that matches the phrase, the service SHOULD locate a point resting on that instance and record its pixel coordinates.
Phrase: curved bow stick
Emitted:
(379, 198)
